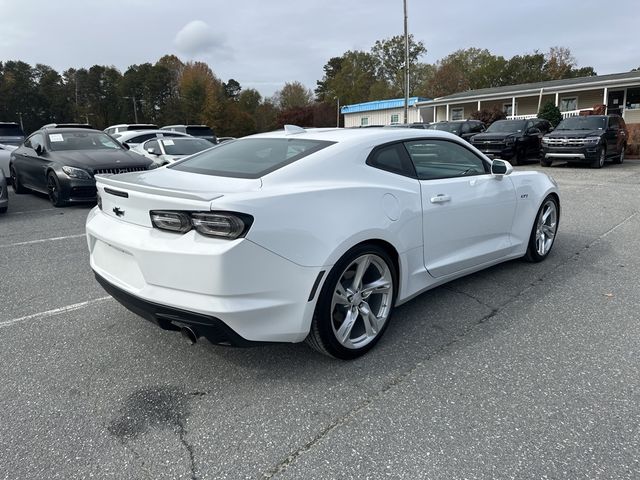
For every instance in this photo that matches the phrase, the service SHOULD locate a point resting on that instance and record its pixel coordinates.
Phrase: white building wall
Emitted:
(380, 117)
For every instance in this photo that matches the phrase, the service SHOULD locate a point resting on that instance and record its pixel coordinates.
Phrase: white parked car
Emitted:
(311, 234)
(167, 150)
(132, 138)
(5, 156)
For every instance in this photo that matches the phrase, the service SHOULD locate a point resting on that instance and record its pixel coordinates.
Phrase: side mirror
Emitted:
(125, 146)
(501, 167)
(39, 149)
(153, 151)
(533, 131)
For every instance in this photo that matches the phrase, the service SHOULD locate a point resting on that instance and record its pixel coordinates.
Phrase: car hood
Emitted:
(94, 159)
(574, 133)
(492, 136)
(175, 183)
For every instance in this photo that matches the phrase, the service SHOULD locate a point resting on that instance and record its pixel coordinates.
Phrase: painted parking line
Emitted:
(42, 240)
(54, 312)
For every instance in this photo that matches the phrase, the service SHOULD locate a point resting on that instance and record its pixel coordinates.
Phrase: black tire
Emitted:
(545, 163)
(602, 156)
(533, 255)
(15, 181)
(325, 326)
(620, 157)
(53, 190)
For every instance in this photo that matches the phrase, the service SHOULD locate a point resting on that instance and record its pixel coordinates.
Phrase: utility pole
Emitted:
(135, 108)
(406, 66)
(338, 112)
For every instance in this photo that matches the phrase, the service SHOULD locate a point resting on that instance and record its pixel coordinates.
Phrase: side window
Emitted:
(392, 158)
(152, 144)
(141, 138)
(434, 159)
(36, 140)
(613, 123)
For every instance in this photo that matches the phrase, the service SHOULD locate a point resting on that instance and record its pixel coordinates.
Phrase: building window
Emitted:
(394, 118)
(507, 108)
(364, 121)
(457, 113)
(568, 104)
(633, 98)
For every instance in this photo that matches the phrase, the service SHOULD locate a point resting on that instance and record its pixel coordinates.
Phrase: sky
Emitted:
(264, 44)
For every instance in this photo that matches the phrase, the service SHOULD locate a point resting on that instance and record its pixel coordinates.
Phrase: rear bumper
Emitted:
(170, 318)
(203, 282)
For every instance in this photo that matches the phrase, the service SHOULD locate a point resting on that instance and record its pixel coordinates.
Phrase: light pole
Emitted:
(337, 112)
(135, 108)
(406, 66)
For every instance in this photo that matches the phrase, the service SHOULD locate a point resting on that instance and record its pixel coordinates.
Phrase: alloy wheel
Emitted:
(546, 227)
(53, 189)
(362, 301)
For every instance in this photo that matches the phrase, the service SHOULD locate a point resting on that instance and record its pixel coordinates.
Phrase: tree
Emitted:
(389, 55)
(199, 93)
(249, 100)
(354, 81)
(232, 89)
(559, 62)
(293, 95)
(550, 112)
(331, 70)
(489, 115)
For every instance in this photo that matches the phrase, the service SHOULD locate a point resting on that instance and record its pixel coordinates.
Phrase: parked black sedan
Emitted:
(62, 163)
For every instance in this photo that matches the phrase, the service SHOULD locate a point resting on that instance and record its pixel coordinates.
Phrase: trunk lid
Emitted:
(131, 196)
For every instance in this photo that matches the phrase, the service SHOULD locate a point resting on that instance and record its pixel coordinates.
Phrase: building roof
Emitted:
(381, 105)
(549, 86)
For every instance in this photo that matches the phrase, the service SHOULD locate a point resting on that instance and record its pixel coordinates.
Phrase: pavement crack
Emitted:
(400, 378)
(182, 434)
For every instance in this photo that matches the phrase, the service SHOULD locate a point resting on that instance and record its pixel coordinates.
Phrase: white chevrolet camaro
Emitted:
(311, 234)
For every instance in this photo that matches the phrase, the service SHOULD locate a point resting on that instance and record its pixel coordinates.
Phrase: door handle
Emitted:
(441, 198)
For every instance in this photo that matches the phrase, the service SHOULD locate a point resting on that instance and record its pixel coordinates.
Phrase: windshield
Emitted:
(507, 126)
(446, 127)
(583, 123)
(81, 141)
(11, 131)
(185, 146)
(251, 157)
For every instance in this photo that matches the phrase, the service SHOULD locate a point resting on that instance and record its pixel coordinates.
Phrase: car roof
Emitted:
(69, 130)
(134, 133)
(365, 136)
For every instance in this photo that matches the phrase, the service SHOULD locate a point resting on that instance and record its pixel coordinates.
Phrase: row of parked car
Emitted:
(590, 139)
(60, 160)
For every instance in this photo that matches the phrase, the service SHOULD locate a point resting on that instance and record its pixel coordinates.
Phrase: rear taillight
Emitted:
(229, 225)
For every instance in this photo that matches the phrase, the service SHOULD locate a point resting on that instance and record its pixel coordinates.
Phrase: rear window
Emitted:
(11, 131)
(251, 157)
(142, 127)
(200, 131)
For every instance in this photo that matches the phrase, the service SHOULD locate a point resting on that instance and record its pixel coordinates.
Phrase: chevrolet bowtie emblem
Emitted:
(118, 212)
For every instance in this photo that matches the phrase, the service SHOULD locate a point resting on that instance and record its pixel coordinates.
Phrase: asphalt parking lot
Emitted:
(520, 371)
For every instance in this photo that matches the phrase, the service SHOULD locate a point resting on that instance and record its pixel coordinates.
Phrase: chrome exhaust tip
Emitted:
(189, 335)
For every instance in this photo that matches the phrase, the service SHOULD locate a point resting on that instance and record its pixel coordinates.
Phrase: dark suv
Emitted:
(586, 139)
(513, 140)
(11, 133)
(463, 128)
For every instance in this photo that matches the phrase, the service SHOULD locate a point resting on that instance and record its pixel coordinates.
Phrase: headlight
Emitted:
(592, 140)
(510, 140)
(227, 225)
(545, 140)
(74, 172)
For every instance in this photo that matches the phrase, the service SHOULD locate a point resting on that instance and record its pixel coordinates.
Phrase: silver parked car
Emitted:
(167, 150)
(5, 156)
